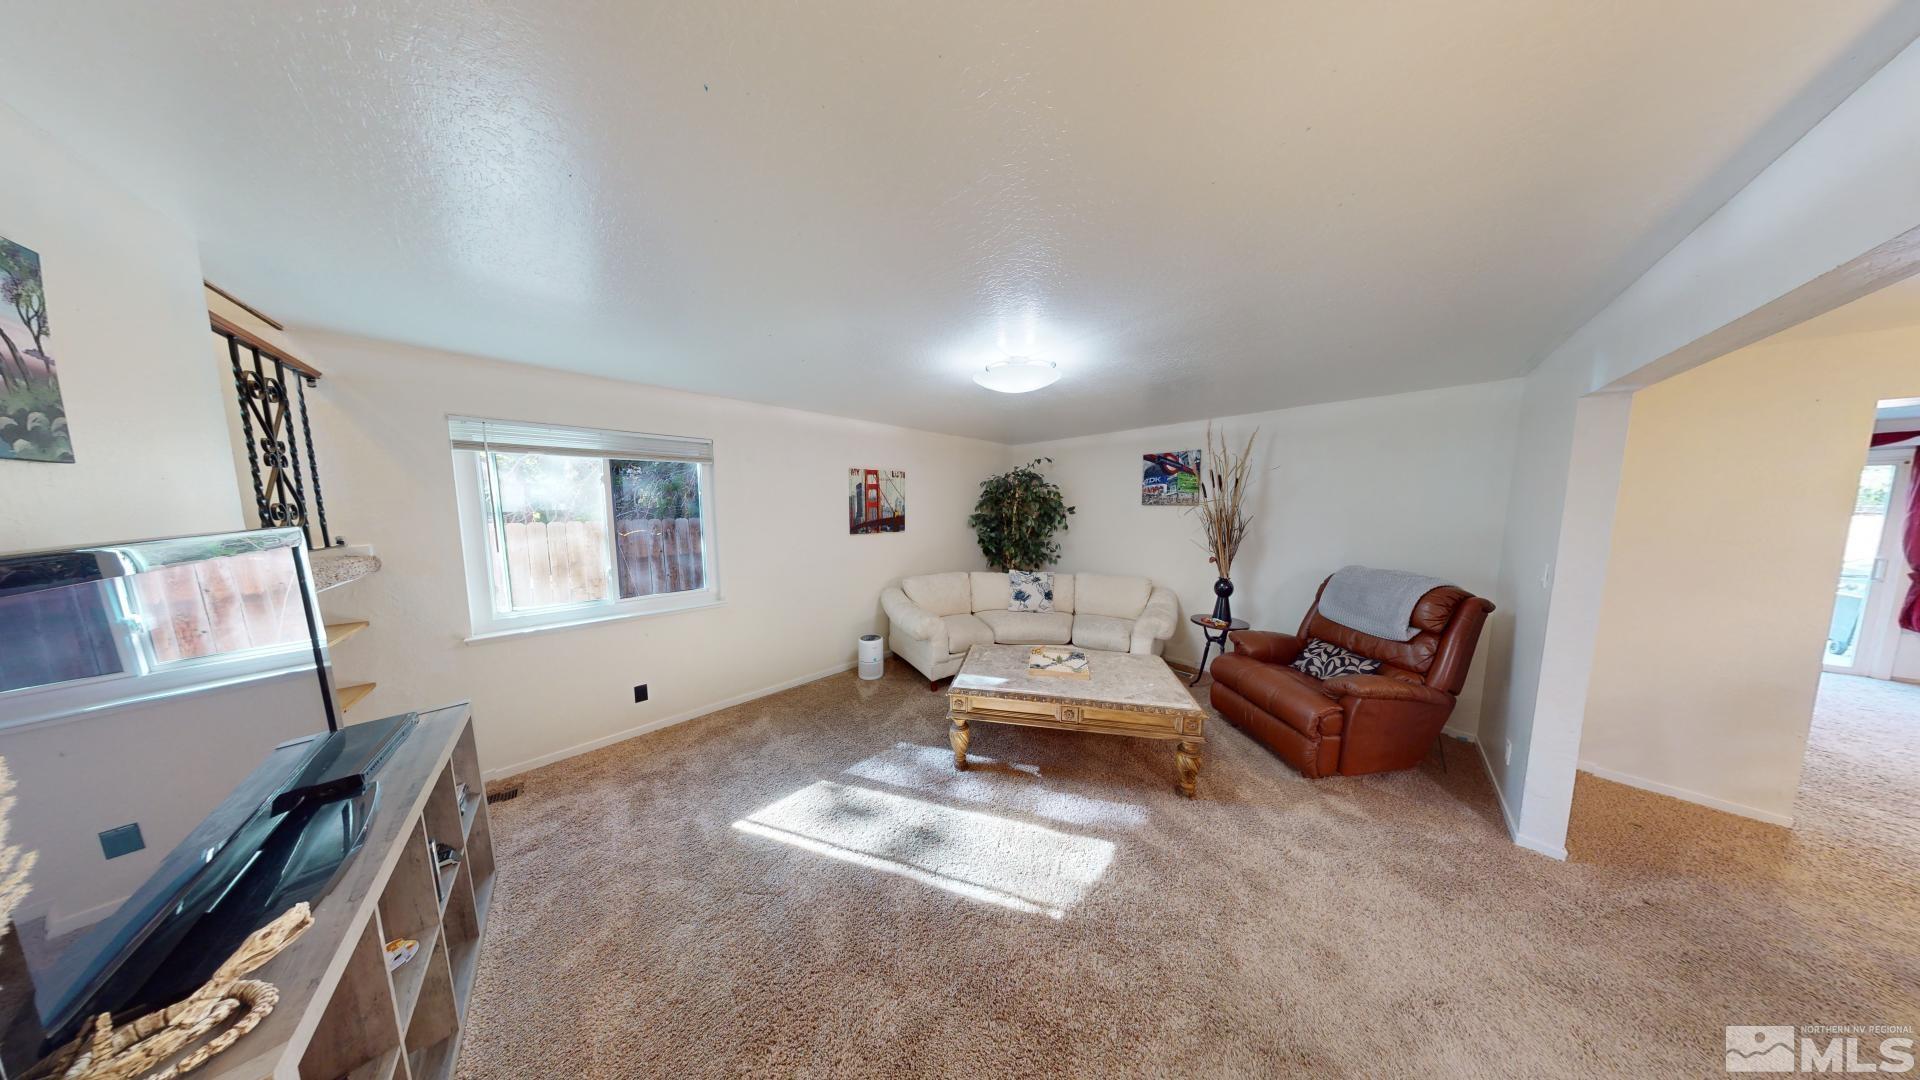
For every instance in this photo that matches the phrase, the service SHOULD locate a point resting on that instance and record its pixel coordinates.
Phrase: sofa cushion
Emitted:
(1102, 632)
(1029, 590)
(966, 631)
(1281, 692)
(1029, 627)
(1063, 592)
(1314, 758)
(1324, 660)
(1122, 597)
(942, 594)
(990, 592)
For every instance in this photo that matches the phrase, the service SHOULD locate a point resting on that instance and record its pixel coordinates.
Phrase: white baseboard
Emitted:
(664, 722)
(1686, 795)
(1541, 847)
(1557, 852)
(1506, 815)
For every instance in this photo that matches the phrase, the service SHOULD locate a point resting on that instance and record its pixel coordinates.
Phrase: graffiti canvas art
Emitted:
(1170, 478)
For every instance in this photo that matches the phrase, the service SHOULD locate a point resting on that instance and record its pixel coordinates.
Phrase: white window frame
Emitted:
(486, 622)
(143, 677)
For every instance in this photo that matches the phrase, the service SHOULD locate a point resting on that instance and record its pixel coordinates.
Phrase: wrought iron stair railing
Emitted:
(271, 390)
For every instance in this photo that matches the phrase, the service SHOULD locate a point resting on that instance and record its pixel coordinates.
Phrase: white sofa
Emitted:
(936, 618)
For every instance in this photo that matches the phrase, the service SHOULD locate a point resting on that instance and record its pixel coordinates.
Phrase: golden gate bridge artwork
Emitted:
(876, 501)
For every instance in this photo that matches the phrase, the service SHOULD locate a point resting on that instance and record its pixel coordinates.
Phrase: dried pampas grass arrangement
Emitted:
(144, 1048)
(1225, 479)
(15, 864)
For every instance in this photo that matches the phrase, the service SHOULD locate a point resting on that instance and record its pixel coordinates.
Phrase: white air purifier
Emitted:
(873, 663)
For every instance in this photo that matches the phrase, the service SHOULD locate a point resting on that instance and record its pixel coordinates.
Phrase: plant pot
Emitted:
(1222, 609)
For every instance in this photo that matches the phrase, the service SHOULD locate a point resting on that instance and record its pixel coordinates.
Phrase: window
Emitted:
(563, 525)
(196, 614)
(87, 642)
(220, 607)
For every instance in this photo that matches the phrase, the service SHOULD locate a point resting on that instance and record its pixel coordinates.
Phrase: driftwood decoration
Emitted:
(132, 1050)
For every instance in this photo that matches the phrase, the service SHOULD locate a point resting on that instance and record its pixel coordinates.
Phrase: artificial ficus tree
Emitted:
(1017, 516)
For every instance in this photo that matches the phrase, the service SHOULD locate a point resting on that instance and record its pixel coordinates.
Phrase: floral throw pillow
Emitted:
(1325, 660)
(1032, 590)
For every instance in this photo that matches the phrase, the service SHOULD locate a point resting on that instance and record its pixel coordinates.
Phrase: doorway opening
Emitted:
(1864, 634)
(1766, 502)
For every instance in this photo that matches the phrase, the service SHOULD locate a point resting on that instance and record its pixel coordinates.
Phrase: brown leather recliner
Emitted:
(1352, 724)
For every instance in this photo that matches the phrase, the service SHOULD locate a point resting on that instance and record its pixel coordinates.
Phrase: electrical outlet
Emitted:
(124, 840)
(1509, 753)
(640, 693)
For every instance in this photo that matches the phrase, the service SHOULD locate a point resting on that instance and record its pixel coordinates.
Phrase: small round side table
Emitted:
(1216, 634)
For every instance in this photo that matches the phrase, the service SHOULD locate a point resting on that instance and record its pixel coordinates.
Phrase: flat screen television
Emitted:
(176, 773)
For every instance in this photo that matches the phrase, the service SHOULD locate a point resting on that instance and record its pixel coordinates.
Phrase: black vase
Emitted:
(1222, 610)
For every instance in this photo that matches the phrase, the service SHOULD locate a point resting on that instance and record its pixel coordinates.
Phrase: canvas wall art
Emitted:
(876, 501)
(33, 418)
(1170, 478)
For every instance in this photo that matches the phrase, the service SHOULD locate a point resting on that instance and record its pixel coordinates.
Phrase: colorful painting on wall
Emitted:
(33, 419)
(1170, 478)
(876, 501)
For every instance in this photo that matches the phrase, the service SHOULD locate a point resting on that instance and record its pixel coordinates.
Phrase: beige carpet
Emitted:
(802, 886)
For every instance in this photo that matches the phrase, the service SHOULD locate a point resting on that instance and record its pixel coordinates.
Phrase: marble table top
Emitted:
(1119, 680)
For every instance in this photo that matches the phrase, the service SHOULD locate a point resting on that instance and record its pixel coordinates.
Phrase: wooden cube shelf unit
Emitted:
(341, 1013)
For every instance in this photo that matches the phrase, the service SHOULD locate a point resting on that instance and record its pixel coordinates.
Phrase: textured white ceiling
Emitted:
(1194, 208)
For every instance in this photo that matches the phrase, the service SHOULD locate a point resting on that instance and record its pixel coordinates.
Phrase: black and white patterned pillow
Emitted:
(1030, 590)
(1325, 660)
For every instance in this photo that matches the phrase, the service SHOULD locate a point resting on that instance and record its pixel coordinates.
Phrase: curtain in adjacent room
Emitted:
(1910, 544)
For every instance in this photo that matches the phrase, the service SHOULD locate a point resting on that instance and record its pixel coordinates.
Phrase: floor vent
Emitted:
(502, 792)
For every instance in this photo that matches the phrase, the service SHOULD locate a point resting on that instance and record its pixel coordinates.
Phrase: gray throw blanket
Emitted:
(1377, 602)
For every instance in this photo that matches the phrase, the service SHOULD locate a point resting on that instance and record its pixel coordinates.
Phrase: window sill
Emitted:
(591, 620)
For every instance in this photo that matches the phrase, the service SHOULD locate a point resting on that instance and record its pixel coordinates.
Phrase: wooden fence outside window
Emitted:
(557, 563)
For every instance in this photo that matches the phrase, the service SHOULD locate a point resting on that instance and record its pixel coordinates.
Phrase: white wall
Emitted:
(1411, 481)
(1734, 503)
(1842, 191)
(1553, 564)
(798, 589)
(129, 336)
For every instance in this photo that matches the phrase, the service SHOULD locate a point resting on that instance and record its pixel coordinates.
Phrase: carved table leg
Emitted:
(1186, 759)
(958, 735)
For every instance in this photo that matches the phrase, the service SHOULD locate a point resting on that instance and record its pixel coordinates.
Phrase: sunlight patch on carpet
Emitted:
(979, 856)
(930, 769)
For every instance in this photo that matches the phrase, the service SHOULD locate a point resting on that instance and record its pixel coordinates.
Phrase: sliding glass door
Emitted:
(1861, 611)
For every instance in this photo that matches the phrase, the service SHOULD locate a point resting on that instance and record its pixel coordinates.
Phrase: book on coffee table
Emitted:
(1058, 660)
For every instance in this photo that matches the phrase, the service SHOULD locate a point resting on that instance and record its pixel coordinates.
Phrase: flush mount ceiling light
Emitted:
(1017, 375)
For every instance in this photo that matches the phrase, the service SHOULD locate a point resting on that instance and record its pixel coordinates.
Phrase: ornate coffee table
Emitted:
(1127, 694)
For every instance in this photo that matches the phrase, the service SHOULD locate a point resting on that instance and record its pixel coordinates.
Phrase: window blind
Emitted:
(523, 437)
